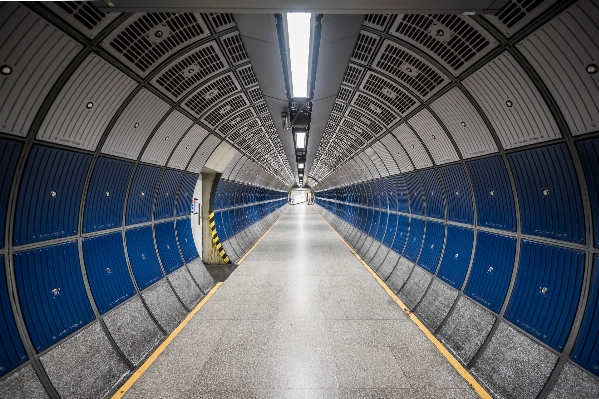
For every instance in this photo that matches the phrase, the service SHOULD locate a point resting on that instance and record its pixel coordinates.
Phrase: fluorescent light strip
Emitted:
(298, 31)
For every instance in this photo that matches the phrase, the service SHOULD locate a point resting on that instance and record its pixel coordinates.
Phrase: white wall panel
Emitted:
(398, 153)
(188, 145)
(377, 161)
(166, 138)
(203, 153)
(413, 146)
(434, 137)
(386, 158)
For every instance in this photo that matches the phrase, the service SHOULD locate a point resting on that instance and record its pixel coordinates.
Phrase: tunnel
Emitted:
(417, 218)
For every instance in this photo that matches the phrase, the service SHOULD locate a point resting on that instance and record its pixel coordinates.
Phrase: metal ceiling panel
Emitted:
(377, 21)
(386, 158)
(166, 138)
(365, 47)
(361, 119)
(234, 48)
(221, 21)
(188, 70)
(82, 15)
(413, 146)
(561, 52)
(203, 153)
(87, 102)
(247, 76)
(353, 75)
(398, 153)
(135, 124)
(512, 103)
(377, 161)
(375, 109)
(227, 172)
(466, 126)
(388, 92)
(145, 40)
(516, 14)
(187, 147)
(409, 69)
(36, 53)
(211, 93)
(225, 109)
(455, 41)
(434, 137)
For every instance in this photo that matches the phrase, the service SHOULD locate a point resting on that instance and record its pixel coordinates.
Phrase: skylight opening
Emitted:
(298, 31)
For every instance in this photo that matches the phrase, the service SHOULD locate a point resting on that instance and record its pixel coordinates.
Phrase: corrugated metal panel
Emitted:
(389, 164)
(466, 126)
(227, 172)
(516, 14)
(167, 193)
(401, 234)
(586, 351)
(141, 195)
(434, 137)
(145, 40)
(106, 195)
(416, 234)
(457, 194)
(512, 103)
(107, 270)
(455, 41)
(491, 270)
(433, 193)
(51, 293)
(166, 138)
(135, 124)
(413, 146)
(87, 102)
(493, 193)
(185, 195)
(186, 241)
(9, 155)
(589, 153)
(401, 194)
(560, 52)
(546, 293)
(187, 147)
(203, 153)
(398, 153)
(167, 246)
(416, 196)
(391, 231)
(37, 54)
(433, 245)
(456, 257)
(142, 256)
(12, 352)
(548, 193)
(83, 15)
(49, 196)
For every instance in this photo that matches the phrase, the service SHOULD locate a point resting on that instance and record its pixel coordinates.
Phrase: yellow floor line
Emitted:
(127, 385)
(260, 239)
(452, 360)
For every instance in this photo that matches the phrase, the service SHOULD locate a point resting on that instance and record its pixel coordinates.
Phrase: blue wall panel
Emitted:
(416, 234)
(375, 219)
(548, 193)
(142, 256)
(12, 352)
(491, 270)
(586, 351)
(433, 194)
(492, 193)
(106, 195)
(390, 229)
(546, 293)
(167, 246)
(456, 257)
(401, 234)
(401, 194)
(141, 194)
(415, 192)
(185, 195)
(50, 195)
(186, 241)
(589, 154)
(51, 292)
(457, 192)
(107, 270)
(165, 199)
(380, 233)
(9, 155)
(433, 245)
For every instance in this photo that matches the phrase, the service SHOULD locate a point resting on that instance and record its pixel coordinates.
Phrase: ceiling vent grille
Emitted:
(191, 69)
(267, 120)
(353, 75)
(389, 93)
(376, 109)
(221, 22)
(409, 69)
(261, 108)
(144, 41)
(344, 94)
(255, 95)
(360, 138)
(357, 129)
(247, 77)
(83, 15)
(234, 48)
(365, 47)
(377, 21)
(225, 109)
(338, 107)
(211, 93)
(334, 119)
(361, 118)
(453, 40)
(236, 121)
(517, 13)
(243, 129)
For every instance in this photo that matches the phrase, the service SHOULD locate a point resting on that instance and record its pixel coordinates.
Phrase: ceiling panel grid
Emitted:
(166, 138)
(388, 92)
(434, 137)
(186, 148)
(224, 109)
(211, 93)
(82, 15)
(516, 14)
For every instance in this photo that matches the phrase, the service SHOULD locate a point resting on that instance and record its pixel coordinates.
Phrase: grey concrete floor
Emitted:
(301, 318)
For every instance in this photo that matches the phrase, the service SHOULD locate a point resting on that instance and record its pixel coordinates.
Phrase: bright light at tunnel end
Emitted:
(298, 31)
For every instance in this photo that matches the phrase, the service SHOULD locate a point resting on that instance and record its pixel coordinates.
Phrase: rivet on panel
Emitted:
(455, 256)
(142, 193)
(166, 138)
(158, 34)
(457, 193)
(187, 147)
(490, 269)
(107, 193)
(89, 105)
(544, 290)
(5, 69)
(545, 192)
(492, 192)
(434, 138)
(592, 68)
(509, 103)
(440, 32)
(143, 256)
(108, 270)
(463, 123)
(52, 193)
(55, 291)
(136, 125)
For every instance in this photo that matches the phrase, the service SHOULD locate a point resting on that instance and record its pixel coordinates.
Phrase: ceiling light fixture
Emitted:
(298, 31)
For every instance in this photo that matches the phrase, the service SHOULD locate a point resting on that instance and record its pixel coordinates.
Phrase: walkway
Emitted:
(301, 318)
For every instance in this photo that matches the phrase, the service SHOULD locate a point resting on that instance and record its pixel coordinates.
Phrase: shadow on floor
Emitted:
(221, 272)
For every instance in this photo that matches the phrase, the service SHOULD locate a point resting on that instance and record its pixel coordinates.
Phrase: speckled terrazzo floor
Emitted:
(301, 318)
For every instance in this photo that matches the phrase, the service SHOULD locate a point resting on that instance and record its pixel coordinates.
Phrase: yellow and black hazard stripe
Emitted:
(215, 240)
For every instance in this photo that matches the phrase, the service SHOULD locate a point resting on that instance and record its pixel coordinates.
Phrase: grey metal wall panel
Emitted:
(516, 14)
(386, 158)
(203, 153)
(135, 124)
(166, 138)
(413, 146)
(561, 51)
(86, 104)
(466, 126)
(82, 15)
(187, 147)
(512, 103)
(398, 153)
(434, 137)
(37, 53)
